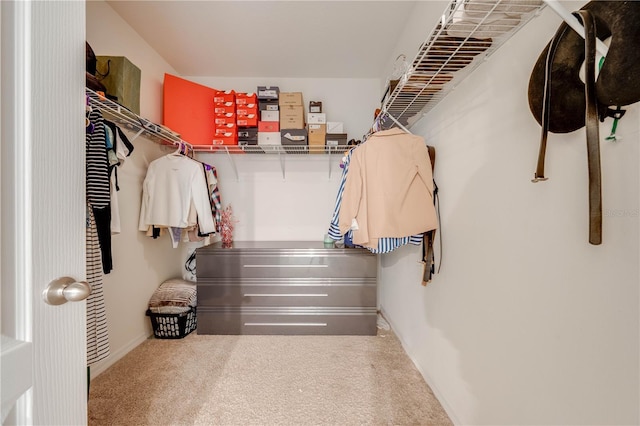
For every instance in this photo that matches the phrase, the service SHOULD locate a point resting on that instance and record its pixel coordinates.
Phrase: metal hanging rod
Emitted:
(573, 22)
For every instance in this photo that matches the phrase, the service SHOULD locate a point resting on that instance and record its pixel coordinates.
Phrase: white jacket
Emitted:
(173, 184)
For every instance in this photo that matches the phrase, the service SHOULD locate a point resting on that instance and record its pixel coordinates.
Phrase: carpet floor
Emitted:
(265, 380)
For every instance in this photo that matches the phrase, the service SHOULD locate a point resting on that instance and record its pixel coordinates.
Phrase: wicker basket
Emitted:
(173, 326)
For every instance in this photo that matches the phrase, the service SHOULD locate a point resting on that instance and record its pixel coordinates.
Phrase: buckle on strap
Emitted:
(617, 113)
(537, 179)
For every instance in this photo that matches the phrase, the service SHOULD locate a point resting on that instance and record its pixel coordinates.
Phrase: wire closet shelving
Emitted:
(165, 136)
(468, 32)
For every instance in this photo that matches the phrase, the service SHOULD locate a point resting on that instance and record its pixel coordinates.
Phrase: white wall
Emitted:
(526, 323)
(140, 263)
(299, 205)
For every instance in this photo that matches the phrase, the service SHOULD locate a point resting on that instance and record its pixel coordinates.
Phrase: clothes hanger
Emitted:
(185, 149)
(178, 151)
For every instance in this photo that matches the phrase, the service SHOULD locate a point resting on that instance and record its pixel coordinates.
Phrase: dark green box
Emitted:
(122, 80)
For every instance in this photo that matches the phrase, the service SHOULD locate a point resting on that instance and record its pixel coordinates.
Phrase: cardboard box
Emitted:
(268, 126)
(222, 129)
(293, 140)
(315, 106)
(317, 134)
(293, 136)
(268, 105)
(224, 107)
(225, 139)
(246, 109)
(248, 133)
(292, 117)
(269, 138)
(246, 98)
(227, 118)
(223, 97)
(187, 108)
(335, 139)
(249, 120)
(270, 115)
(317, 118)
(122, 80)
(335, 127)
(244, 142)
(290, 98)
(268, 92)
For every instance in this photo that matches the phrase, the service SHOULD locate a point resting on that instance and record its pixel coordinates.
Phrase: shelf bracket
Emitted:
(136, 135)
(233, 163)
(282, 167)
(397, 122)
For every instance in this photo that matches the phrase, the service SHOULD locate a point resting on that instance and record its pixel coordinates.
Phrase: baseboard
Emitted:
(439, 396)
(100, 366)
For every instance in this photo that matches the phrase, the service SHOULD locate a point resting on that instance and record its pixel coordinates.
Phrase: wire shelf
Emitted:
(165, 136)
(469, 32)
(272, 149)
(128, 119)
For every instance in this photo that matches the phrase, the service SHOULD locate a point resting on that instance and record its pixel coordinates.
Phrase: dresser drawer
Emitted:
(287, 292)
(289, 321)
(285, 264)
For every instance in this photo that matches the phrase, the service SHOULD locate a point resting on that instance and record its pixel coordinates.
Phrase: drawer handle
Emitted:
(287, 324)
(286, 266)
(286, 295)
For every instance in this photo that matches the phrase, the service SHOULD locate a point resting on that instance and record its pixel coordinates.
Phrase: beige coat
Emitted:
(388, 189)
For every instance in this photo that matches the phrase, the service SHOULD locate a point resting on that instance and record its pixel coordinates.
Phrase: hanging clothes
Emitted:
(97, 333)
(214, 194)
(98, 200)
(175, 184)
(388, 191)
(118, 150)
(97, 184)
(385, 245)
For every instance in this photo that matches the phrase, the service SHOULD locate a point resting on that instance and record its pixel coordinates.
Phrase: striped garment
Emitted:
(98, 197)
(97, 333)
(385, 245)
(98, 191)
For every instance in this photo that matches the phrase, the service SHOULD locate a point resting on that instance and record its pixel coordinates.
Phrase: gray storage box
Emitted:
(293, 140)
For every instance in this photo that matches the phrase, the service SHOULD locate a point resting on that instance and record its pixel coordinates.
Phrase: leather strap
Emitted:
(591, 119)
(592, 127)
(546, 100)
(428, 255)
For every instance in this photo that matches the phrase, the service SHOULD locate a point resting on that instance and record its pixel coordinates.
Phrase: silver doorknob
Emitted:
(64, 290)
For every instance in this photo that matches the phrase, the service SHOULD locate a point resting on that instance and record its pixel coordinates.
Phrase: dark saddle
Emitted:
(562, 102)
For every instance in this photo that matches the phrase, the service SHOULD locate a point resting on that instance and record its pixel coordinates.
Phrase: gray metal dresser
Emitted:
(286, 288)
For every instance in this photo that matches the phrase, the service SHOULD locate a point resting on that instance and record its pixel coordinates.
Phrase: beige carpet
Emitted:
(265, 380)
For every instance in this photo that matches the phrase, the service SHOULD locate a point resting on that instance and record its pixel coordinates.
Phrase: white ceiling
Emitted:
(328, 39)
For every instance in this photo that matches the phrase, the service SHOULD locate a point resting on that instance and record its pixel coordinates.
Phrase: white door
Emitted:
(42, 211)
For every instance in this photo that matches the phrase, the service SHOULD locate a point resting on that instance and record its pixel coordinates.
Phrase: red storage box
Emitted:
(250, 120)
(268, 126)
(187, 109)
(221, 129)
(247, 109)
(222, 97)
(221, 119)
(246, 98)
(224, 107)
(226, 139)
